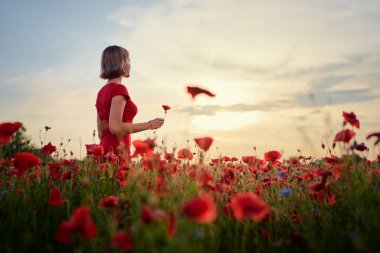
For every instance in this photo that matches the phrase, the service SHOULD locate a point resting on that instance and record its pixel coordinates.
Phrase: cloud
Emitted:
(211, 110)
(322, 98)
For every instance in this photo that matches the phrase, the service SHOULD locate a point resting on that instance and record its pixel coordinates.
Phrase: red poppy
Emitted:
(194, 91)
(7, 130)
(249, 159)
(249, 206)
(142, 147)
(122, 241)
(48, 149)
(351, 119)
(344, 136)
(166, 107)
(185, 154)
(375, 134)
(108, 202)
(172, 226)
(272, 156)
(201, 209)
(90, 148)
(24, 161)
(204, 143)
(80, 221)
(98, 150)
(55, 197)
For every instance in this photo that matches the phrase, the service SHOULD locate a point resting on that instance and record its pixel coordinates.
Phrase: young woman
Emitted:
(115, 109)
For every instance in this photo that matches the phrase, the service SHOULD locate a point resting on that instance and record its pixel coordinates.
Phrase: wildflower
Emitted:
(201, 209)
(80, 221)
(351, 119)
(359, 147)
(185, 154)
(55, 197)
(272, 156)
(48, 149)
(24, 161)
(7, 130)
(344, 136)
(90, 148)
(204, 143)
(286, 192)
(122, 241)
(249, 206)
(98, 150)
(166, 107)
(194, 91)
(108, 202)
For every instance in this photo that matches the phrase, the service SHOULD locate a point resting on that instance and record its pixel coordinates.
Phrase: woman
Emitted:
(115, 109)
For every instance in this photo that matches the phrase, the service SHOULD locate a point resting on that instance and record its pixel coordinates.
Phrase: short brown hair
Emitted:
(113, 62)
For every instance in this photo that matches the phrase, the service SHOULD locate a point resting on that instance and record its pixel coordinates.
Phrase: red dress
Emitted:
(109, 141)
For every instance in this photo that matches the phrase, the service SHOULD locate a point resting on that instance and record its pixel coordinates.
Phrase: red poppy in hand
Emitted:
(194, 91)
(166, 107)
(204, 143)
(7, 130)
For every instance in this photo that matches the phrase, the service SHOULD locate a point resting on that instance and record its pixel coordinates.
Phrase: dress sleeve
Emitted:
(120, 90)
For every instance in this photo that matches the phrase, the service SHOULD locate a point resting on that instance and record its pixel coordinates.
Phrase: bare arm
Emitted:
(118, 128)
(98, 125)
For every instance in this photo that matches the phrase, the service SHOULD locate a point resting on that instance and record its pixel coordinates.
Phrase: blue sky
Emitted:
(282, 72)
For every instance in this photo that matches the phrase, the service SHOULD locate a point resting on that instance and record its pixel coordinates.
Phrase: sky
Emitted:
(282, 71)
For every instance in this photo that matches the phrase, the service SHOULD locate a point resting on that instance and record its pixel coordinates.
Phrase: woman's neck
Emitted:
(114, 80)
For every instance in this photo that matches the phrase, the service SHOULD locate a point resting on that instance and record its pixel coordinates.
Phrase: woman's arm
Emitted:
(98, 125)
(118, 128)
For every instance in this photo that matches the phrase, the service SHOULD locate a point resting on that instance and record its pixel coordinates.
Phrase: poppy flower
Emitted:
(142, 147)
(359, 147)
(194, 91)
(185, 154)
(90, 148)
(166, 107)
(7, 130)
(81, 221)
(108, 202)
(201, 209)
(375, 134)
(98, 150)
(204, 143)
(48, 149)
(55, 197)
(272, 156)
(122, 241)
(344, 136)
(25, 161)
(172, 226)
(351, 119)
(249, 206)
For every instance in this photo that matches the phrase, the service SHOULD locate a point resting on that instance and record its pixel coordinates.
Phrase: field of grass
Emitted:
(183, 202)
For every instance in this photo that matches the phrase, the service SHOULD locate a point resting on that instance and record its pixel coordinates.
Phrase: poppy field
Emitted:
(186, 201)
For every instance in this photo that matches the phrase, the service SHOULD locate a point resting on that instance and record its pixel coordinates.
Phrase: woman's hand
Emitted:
(155, 123)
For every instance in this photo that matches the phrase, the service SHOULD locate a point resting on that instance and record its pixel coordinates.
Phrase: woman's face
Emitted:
(127, 67)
